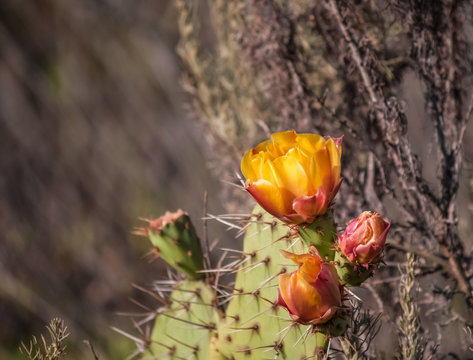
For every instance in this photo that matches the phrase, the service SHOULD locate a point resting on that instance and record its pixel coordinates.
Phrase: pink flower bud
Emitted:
(311, 294)
(364, 238)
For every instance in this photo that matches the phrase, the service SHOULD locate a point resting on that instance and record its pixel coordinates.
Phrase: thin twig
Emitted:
(94, 354)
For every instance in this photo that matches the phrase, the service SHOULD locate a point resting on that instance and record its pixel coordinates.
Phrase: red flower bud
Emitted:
(364, 238)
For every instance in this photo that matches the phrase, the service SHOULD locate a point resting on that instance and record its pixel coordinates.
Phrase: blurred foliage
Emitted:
(92, 136)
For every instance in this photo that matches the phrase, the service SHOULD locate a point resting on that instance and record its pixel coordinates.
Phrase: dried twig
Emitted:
(412, 345)
(435, 215)
(56, 347)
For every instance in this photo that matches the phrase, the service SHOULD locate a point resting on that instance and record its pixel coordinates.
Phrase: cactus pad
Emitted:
(254, 327)
(184, 328)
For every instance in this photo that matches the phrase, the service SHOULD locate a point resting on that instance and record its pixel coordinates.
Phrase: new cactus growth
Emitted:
(175, 240)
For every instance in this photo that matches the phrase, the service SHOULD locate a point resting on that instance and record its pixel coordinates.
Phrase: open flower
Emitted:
(365, 238)
(311, 294)
(294, 176)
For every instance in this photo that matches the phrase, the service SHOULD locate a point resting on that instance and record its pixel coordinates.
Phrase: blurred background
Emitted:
(93, 135)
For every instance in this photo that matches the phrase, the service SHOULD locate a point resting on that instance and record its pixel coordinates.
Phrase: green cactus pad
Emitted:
(184, 329)
(178, 244)
(254, 327)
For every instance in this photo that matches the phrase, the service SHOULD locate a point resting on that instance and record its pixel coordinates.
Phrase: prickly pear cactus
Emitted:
(184, 328)
(254, 327)
(195, 325)
(287, 301)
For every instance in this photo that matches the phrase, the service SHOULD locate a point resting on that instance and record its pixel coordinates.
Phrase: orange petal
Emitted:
(304, 300)
(309, 265)
(310, 143)
(328, 288)
(247, 166)
(285, 139)
(284, 280)
(334, 152)
(302, 158)
(291, 175)
(271, 174)
(308, 207)
(299, 259)
(321, 169)
(273, 199)
(262, 146)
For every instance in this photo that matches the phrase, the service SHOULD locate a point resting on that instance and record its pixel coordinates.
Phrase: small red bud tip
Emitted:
(156, 225)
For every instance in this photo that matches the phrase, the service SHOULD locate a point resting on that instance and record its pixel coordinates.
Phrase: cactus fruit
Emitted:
(351, 274)
(322, 234)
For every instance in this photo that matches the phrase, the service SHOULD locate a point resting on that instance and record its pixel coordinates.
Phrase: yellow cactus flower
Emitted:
(294, 176)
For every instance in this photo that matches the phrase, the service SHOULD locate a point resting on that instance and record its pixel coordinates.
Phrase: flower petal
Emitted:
(310, 143)
(247, 166)
(285, 139)
(291, 175)
(321, 170)
(273, 199)
(365, 254)
(308, 264)
(334, 156)
(305, 300)
(364, 238)
(310, 206)
(285, 290)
